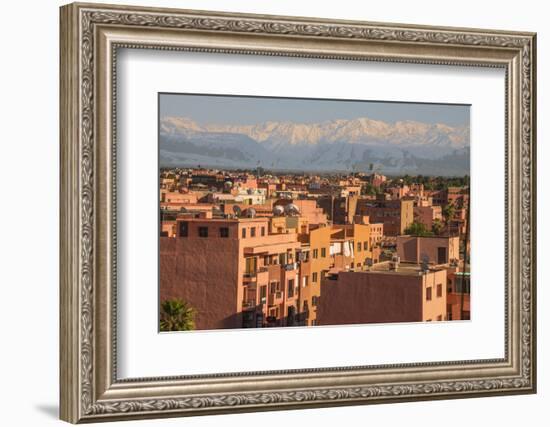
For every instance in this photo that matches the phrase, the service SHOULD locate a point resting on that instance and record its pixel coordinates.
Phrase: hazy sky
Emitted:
(251, 110)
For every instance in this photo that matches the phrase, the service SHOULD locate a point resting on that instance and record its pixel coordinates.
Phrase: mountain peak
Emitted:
(335, 144)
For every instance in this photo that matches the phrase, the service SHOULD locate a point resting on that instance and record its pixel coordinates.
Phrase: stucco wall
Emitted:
(370, 298)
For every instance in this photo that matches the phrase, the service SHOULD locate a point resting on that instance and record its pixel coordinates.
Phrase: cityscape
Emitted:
(254, 245)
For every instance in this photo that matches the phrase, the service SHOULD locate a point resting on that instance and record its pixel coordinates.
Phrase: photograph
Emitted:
(270, 209)
(299, 212)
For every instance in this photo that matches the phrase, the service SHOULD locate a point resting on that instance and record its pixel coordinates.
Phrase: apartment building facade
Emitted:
(396, 215)
(432, 249)
(383, 295)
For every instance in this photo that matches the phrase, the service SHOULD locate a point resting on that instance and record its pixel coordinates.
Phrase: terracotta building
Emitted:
(383, 295)
(433, 249)
(255, 272)
(427, 215)
(396, 215)
(458, 294)
(341, 209)
(307, 209)
(219, 265)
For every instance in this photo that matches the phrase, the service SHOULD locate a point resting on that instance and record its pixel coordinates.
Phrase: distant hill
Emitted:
(339, 145)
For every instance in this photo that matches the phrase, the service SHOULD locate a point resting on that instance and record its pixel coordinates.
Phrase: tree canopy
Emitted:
(176, 315)
(418, 229)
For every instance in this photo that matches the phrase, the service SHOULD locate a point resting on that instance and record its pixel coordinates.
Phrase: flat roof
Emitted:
(233, 220)
(405, 269)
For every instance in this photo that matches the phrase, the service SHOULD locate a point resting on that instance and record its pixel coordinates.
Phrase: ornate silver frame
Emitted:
(90, 36)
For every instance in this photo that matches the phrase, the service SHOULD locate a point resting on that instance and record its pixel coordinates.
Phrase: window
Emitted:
(429, 293)
(263, 231)
(315, 253)
(250, 265)
(203, 231)
(272, 287)
(314, 301)
(365, 246)
(224, 232)
(441, 255)
(253, 232)
(290, 292)
(314, 277)
(306, 281)
(439, 291)
(359, 246)
(263, 293)
(184, 229)
(243, 233)
(323, 252)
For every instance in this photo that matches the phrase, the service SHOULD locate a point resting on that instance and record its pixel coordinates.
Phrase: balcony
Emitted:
(249, 279)
(259, 276)
(290, 267)
(275, 298)
(249, 304)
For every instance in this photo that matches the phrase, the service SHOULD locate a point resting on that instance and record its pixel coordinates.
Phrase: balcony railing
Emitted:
(248, 304)
(290, 267)
(275, 298)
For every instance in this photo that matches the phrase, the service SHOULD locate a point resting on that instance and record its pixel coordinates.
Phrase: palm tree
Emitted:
(176, 315)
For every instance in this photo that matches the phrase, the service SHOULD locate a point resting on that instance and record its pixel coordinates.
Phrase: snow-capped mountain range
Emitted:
(338, 145)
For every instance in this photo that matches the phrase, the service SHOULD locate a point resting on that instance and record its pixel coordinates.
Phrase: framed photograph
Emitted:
(266, 212)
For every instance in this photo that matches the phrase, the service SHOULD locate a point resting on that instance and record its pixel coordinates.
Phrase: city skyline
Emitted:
(244, 250)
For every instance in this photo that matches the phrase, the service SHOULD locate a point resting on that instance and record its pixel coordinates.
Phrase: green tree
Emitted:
(449, 212)
(417, 229)
(437, 226)
(176, 315)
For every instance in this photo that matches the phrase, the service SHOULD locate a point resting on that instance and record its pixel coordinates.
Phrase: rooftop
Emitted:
(403, 268)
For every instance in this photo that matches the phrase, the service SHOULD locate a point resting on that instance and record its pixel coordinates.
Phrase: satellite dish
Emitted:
(292, 209)
(278, 210)
(250, 212)
(237, 210)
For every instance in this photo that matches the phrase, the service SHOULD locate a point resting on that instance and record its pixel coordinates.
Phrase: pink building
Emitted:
(377, 180)
(232, 271)
(383, 295)
(435, 249)
(307, 209)
(427, 215)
